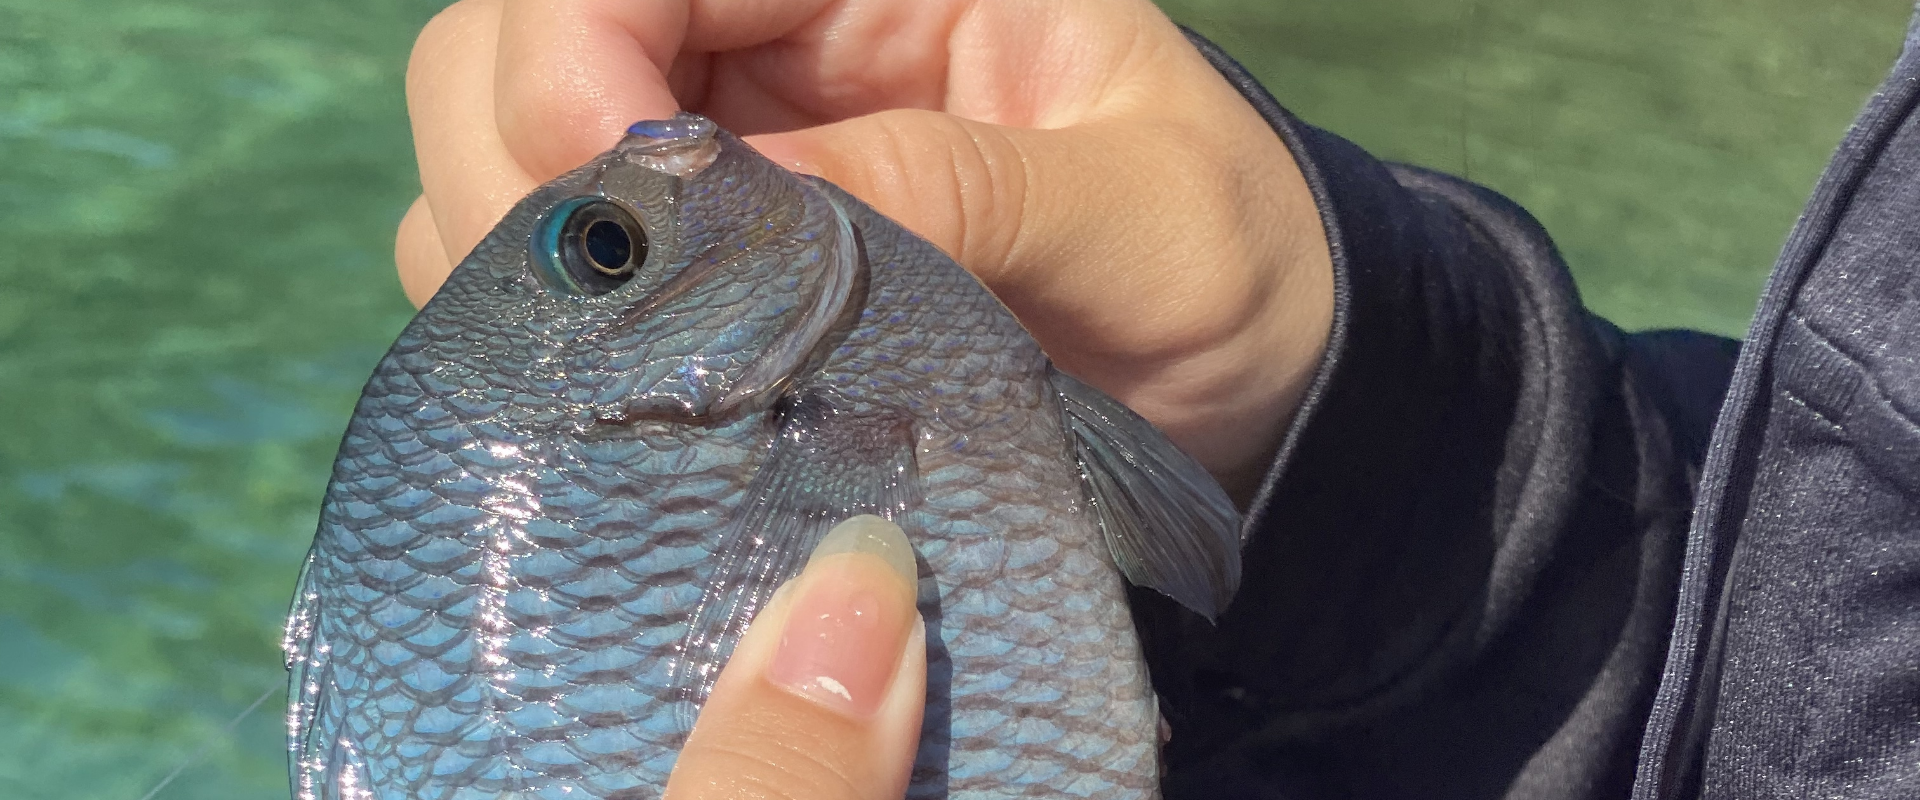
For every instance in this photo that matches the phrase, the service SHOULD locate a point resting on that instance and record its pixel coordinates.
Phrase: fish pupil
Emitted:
(608, 246)
(589, 245)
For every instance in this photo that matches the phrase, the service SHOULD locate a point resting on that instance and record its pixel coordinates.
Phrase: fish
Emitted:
(626, 418)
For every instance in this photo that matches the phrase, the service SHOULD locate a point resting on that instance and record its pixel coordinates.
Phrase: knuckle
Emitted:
(958, 180)
(897, 162)
(993, 176)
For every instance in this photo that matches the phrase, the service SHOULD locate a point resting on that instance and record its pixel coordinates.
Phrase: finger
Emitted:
(823, 696)
(979, 180)
(469, 178)
(419, 255)
(1010, 62)
(1143, 281)
(845, 60)
(573, 74)
(1040, 216)
(957, 183)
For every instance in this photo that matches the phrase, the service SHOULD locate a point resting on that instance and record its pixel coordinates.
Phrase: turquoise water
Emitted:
(196, 207)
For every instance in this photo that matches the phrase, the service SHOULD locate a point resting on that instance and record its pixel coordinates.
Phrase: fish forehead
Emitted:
(507, 598)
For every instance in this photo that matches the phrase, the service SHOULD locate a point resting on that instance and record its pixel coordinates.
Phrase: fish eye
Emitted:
(589, 245)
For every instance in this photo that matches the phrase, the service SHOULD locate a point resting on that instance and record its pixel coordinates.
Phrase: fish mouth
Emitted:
(681, 145)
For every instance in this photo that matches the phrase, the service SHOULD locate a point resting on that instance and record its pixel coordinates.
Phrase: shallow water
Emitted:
(196, 207)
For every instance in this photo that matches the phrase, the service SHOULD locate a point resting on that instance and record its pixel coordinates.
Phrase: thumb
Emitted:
(823, 696)
(1059, 222)
(958, 183)
(1088, 232)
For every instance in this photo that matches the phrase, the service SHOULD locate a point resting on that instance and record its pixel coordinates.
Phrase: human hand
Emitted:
(1077, 155)
(823, 695)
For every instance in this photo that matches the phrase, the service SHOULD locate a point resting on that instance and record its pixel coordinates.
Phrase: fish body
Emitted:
(595, 452)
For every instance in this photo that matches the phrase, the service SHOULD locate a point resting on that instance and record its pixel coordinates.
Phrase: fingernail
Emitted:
(874, 536)
(852, 614)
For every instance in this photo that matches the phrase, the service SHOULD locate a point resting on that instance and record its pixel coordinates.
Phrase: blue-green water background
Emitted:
(197, 200)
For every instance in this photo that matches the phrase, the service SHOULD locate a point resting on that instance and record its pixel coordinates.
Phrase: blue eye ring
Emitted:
(589, 246)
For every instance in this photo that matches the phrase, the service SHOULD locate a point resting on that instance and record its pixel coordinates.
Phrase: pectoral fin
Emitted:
(829, 461)
(1168, 524)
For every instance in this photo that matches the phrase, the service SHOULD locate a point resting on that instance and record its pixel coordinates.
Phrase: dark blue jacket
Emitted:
(1511, 551)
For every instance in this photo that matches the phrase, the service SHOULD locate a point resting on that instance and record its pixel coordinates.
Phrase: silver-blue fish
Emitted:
(628, 416)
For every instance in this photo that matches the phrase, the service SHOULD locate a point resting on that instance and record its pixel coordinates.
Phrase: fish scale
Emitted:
(539, 492)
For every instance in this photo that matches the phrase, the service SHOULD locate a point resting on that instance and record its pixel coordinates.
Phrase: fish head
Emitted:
(680, 276)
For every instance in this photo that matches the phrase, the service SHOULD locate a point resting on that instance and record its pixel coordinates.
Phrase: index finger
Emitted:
(469, 179)
(573, 74)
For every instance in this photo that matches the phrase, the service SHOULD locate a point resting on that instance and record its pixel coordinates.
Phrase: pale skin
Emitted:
(1077, 155)
(760, 737)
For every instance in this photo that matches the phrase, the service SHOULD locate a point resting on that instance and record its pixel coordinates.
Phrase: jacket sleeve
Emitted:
(1460, 569)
